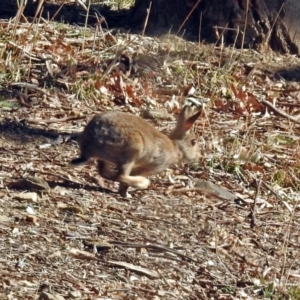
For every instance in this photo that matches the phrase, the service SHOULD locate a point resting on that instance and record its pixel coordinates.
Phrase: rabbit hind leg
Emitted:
(107, 170)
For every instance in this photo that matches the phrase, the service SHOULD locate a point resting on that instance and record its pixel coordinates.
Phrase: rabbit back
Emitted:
(119, 137)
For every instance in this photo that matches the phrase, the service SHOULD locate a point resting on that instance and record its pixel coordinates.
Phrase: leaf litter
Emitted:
(225, 228)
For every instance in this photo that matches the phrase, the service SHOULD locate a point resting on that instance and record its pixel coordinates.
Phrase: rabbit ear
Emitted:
(190, 121)
(184, 122)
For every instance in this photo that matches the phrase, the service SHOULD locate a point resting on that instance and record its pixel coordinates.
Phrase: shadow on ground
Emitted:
(18, 139)
(288, 74)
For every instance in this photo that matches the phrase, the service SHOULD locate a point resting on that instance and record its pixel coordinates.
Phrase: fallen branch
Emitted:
(253, 210)
(50, 121)
(153, 247)
(280, 112)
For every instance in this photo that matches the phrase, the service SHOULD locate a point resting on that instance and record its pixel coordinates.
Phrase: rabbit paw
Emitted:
(123, 191)
(127, 196)
(142, 182)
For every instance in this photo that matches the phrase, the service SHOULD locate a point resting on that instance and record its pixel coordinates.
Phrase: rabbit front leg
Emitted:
(121, 174)
(123, 188)
(126, 179)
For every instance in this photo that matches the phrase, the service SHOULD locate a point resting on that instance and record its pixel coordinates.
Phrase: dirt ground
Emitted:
(66, 234)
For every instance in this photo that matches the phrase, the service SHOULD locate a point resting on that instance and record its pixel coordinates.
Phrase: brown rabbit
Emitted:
(135, 147)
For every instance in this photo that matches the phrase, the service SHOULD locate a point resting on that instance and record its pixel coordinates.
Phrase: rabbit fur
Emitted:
(135, 147)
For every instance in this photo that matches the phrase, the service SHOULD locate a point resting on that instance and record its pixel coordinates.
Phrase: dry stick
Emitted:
(187, 17)
(291, 104)
(58, 10)
(286, 268)
(245, 27)
(200, 191)
(45, 218)
(200, 27)
(253, 211)
(280, 112)
(147, 18)
(31, 55)
(85, 24)
(22, 101)
(277, 196)
(269, 34)
(154, 247)
(234, 43)
(18, 16)
(111, 65)
(83, 5)
(29, 85)
(39, 10)
(50, 121)
(220, 36)
(146, 246)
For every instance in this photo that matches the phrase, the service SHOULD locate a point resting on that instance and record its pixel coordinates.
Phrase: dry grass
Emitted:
(168, 242)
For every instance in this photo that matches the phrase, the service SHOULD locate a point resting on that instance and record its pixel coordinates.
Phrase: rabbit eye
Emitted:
(193, 142)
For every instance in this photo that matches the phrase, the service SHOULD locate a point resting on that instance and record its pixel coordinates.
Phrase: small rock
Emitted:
(32, 219)
(214, 189)
(60, 190)
(75, 294)
(27, 196)
(4, 218)
(157, 115)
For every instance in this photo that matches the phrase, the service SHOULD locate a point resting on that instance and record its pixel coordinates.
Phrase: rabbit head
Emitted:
(186, 143)
(135, 148)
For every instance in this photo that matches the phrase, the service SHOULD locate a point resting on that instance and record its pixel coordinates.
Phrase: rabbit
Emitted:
(128, 148)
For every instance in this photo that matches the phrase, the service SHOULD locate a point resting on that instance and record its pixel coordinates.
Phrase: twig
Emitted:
(29, 86)
(56, 13)
(31, 56)
(271, 30)
(147, 18)
(154, 247)
(187, 17)
(86, 22)
(277, 196)
(50, 121)
(253, 211)
(280, 112)
(117, 56)
(245, 27)
(22, 100)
